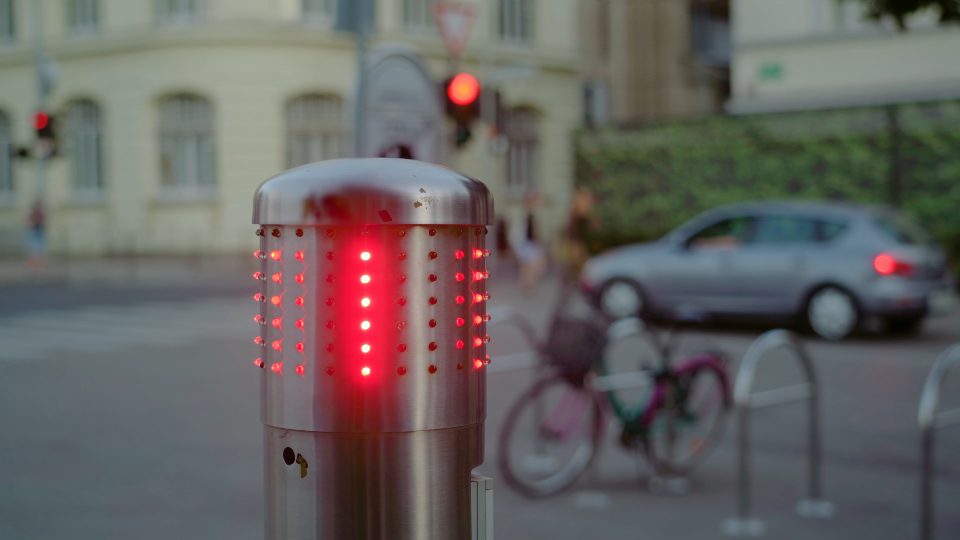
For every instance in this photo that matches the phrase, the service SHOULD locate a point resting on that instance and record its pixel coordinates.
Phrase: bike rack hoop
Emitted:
(930, 419)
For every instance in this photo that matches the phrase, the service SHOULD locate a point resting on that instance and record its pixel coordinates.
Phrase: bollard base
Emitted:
(816, 508)
(738, 527)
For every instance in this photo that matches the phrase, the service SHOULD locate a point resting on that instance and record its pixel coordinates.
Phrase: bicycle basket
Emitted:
(575, 345)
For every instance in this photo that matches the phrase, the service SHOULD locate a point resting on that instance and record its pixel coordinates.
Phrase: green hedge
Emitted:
(650, 180)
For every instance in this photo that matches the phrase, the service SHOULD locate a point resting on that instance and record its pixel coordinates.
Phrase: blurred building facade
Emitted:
(814, 54)
(171, 112)
(653, 60)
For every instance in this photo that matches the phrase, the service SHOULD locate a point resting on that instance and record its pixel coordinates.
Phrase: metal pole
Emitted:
(43, 89)
(359, 115)
(743, 443)
(813, 423)
(926, 484)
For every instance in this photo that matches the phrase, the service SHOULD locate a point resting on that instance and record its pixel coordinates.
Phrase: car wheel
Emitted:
(620, 298)
(832, 313)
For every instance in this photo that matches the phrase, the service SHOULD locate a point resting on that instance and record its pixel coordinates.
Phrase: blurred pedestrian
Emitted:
(37, 236)
(531, 255)
(575, 248)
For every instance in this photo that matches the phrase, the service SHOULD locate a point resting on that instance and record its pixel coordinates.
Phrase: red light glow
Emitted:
(478, 276)
(478, 254)
(277, 345)
(364, 255)
(277, 322)
(888, 265)
(298, 255)
(278, 278)
(258, 254)
(477, 298)
(300, 369)
(478, 342)
(477, 319)
(258, 362)
(298, 301)
(365, 325)
(258, 340)
(275, 300)
(365, 371)
(459, 276)
(275, 254)
(460, 299)
(299, 323)
(276, 367)
(365, 302)
(258, 297)
(298, 278)
(365, 348)
(461, 321)
(258, 276)
(41, 120)
(258, 319)
(460, 344)
(300, 346)
(463, 89)
(459, 254)
(365, 278)
(477, 363)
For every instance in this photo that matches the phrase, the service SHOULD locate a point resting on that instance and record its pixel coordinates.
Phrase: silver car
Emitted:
(833, 266)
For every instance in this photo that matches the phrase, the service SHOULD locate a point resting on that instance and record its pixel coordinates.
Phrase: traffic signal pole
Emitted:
(44, 83)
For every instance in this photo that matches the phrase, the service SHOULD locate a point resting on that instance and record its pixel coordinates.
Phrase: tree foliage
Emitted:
(900, 10)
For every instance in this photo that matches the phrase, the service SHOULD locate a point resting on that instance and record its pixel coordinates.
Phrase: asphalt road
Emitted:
(133, 412)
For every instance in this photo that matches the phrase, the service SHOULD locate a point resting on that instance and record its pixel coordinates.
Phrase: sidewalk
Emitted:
(120, 271)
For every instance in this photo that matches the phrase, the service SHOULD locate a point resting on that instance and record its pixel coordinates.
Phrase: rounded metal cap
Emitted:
(372, 191)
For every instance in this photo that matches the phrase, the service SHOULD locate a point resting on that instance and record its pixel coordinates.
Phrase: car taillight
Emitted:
(888, 265)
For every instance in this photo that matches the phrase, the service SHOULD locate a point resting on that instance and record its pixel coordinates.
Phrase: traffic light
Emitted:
(44, 124)
(462, 93)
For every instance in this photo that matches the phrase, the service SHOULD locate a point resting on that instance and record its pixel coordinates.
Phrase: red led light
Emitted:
(299, 323)
(478, 276)
(365, 302)
(258, 340)
(401, 370)
(365, 325)
(258, 362)
(298, 278)
(477, 363)
(300, 369)
(463, 89)
(459, 254)
(365, 278)
(477, 319)
(278, 278)
(276, 367)
(275, 254)
(460, 321)
(277, 345)
(432, 369)
(277, 322)
(275, 300)
(432, 300)
(300, 346)
(460, 343)
(258, 319)
(298, 301)
(432, 345)
(432, 323)
(258, 297)
(459, 276)
(258, 254)
(298, 255)
(365, 348)
(258, 276)
(365, 371)
(402, 347)
(460, 299)
(477, 298)
(432, 277)
(478, 342)
(364, 255)
(432, 254)
(478, 254)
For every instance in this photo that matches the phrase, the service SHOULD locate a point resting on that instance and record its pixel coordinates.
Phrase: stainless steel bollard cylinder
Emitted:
(372, 340)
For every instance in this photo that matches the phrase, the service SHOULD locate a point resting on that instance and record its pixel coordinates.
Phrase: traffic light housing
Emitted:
(462, 97)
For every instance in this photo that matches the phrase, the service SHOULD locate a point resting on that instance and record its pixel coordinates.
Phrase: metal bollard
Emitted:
(372, 330)
(931, 419)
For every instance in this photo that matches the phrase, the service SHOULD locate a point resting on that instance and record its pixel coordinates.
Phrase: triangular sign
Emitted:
(455, 20)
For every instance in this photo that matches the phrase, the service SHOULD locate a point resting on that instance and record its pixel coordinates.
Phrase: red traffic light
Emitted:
(41, 120)
(463, 89)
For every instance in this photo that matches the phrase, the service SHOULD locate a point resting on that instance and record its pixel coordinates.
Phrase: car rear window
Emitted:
(829, 230)
(901, 229)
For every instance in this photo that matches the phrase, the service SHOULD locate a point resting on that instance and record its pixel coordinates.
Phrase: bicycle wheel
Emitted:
(687, 415)
(549, 437)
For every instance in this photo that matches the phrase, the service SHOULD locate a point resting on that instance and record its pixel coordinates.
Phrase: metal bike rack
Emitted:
(931, 420)
(744, 524)
(523, 360)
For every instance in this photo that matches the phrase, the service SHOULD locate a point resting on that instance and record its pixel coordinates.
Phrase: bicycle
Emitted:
(674, 426)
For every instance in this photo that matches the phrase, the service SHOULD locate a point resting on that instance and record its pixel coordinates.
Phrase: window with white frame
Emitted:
(6, 157)
(522, 130)
(515, 21)
(84, 146)
(178, 11)
(83, 16)
(314, 129)
(187, 145)
(319, 10)
(7, 26)
(418, 15)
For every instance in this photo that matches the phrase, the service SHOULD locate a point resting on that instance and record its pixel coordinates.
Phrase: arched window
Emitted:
(314, 129)
(187, 144)
(84, 146)
(6, 157)
(522, 130)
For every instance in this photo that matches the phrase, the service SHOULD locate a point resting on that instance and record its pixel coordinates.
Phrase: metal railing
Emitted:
(930, 419)
(745, 401)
